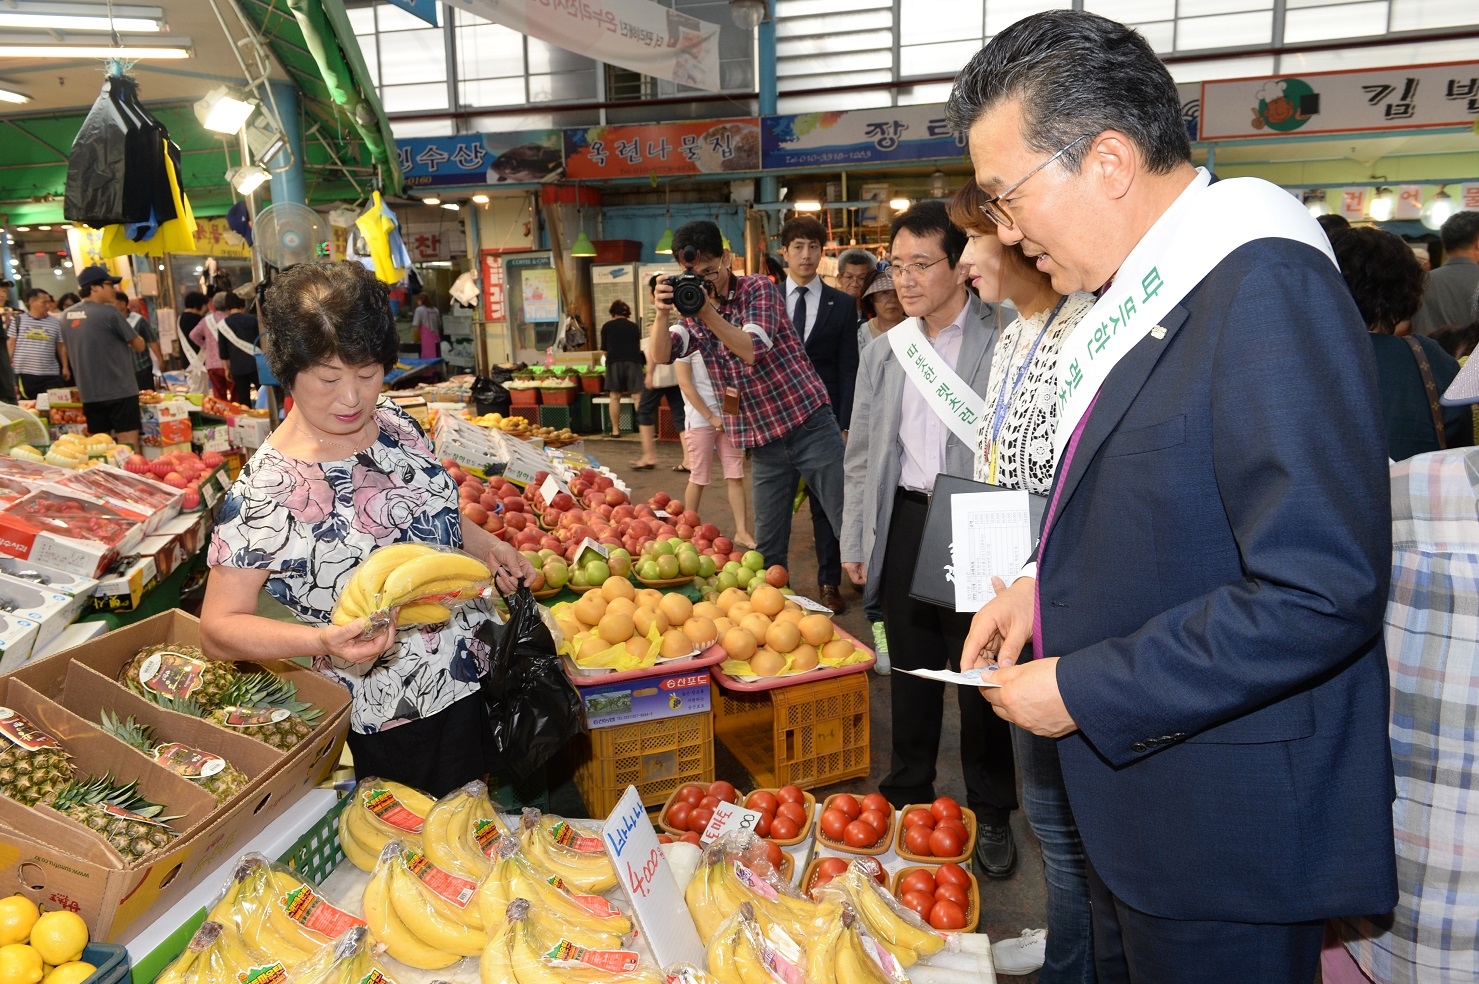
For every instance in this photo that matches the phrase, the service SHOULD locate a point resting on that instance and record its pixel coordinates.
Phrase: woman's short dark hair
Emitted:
(321, 311)
(67, 300)
(621, 309)
(195, 299)
(965, 211)
(1384, 277)
(1076, 74)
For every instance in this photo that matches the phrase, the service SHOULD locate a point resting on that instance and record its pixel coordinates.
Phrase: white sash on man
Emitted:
(1205, 224)
(945, 393)
(240, 345)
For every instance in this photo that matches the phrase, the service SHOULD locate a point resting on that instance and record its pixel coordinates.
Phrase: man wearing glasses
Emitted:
(902, 438)
(773, 401)
(1206, 601)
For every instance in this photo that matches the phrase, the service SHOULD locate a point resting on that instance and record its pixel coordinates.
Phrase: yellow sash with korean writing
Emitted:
(1205, 224)
(947, 395)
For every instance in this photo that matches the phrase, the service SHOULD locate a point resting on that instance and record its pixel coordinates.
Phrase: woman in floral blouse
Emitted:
(345, 473)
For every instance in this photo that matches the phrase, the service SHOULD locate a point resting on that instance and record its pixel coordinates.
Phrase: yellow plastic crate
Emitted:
(655, 756)
(807, 734)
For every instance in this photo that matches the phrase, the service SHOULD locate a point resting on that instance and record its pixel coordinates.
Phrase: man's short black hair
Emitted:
(321, 311)
(1332, 223)
(1385, 279)
(36, 292)
(195, 299)
(1460, 231)
(802, 227)
(704, 236)
(235, 303)
(930, 218)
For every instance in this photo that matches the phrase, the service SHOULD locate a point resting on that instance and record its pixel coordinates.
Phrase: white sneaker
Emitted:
(1022, 954)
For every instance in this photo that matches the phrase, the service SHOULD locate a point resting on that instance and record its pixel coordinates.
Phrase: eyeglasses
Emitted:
(912, 270)
(995, 209)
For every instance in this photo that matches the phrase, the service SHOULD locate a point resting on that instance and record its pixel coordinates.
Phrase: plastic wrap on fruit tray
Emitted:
(418, 910)
(460, 829)
(574, 851)
(67, 515)
(761, 949)
(27, 470)
(277, 914)
(530, 949)
(735, 869)
(11, 490)
(899, 929)
(117, 485)
(416, 583)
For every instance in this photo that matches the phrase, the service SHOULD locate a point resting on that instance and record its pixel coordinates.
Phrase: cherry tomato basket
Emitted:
(881, 846)
(967, 817)
(973, 894)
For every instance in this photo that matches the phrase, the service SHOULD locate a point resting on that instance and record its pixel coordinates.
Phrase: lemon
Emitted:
(17, 916)
(59, 937)
(19, 964)
(70, 973)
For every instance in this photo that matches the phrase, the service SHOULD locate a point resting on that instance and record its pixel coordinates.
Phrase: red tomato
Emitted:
(763, 801)
(790, 794)
(678, 815)
(945, 843)
(877, 801)
(947, 915)
(919, 817)
(691, 838)
(724, 790)
(860, 834)
(954, 893)
(774, 854)
(664, 839)
(848, 804)
(951, 873)
(917, 841)
(794, 812)
(878, 821)
(818, 882)
(956, 825)
(783, 828)
(834, 823)
(762, 826)
(918, 880)
(945, 807)
(832, 867)
(709, 802)
(698, 818)
(691, 794)
(919, 902)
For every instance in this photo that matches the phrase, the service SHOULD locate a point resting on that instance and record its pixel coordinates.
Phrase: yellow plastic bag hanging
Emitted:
(375, 225)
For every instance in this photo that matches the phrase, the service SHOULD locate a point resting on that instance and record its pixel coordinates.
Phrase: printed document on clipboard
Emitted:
(973, 532)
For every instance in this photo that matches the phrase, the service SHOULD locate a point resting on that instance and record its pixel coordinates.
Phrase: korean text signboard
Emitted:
(642, 869)
(1366, 100)
(860, 136)
(481, 158)
(700, 147)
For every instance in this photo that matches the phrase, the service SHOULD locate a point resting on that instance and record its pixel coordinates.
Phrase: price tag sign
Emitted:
(589, 544)
(727, 817)
(811, 606)
(642, 869)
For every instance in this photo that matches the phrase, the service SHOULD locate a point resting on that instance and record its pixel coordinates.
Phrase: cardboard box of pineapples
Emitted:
(130, 767)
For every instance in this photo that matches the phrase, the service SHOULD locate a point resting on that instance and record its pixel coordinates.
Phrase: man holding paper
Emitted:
(1208, 591)
(916, 408)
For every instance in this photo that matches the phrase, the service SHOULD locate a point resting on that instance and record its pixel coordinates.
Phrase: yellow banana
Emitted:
(426, 875)
(531, 966)
(371, 573)
(296, 933)
(821, 946)
(514, 877)
(707, 915)
(783, 910)
(221, 911)
(445, 837)
(590, 871)
(359, 854)
(345, 961)
(182, 969)
(426, 922)
(495, 965)
(412, 578)
(396, 802)
(399, 941)
(853, 965)
(412, 799)
(883, 922)
(423, 613)
(720, 958)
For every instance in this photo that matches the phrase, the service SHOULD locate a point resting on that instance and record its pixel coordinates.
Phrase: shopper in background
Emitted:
(855, 267)
(1216, 550)
(772, 402)
(37, 350)
(702, 438)
(238, 348)
(348, 472)
(1451, 287)
(881, 307)
(64, 302)
(621, 340)
(427, 324)
(10, 314)
(1387, 284)
(206, 336)
(659, 384)
(827, 321)
(900, 443)
(100, 346)
(147, 364)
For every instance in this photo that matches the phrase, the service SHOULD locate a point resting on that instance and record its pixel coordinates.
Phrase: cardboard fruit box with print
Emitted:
(274, 755)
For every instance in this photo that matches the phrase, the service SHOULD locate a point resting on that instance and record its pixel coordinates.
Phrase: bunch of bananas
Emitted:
(214, 955)
(414, 577)
(742, 951)
(522, 953)
(378, 811)
(899, 930)
(277, 914)
(578, 856)
(425, 917)
(585, 920)
(723, 883)
(839, 951)
(349, 961)
(459, 829)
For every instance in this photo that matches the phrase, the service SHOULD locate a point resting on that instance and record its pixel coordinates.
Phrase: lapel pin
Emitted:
(1157, 333)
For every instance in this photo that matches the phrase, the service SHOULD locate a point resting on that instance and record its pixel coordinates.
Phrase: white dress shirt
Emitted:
(813, 303)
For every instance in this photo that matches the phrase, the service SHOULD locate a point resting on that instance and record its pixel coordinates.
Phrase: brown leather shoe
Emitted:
(832, 598)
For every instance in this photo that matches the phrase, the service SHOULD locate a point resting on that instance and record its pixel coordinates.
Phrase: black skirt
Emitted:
(436, 754)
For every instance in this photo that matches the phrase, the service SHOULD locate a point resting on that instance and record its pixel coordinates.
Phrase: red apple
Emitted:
(690, 517)
(709, 531)
(475, 512)
(644, 511)
(603, 482)
(513, 504)
(659, 500)
(539, 478)
(589, 474)
(723, 545)
(548, 542)
(515, 521)
(494, 523)
(562, 500)
(624, 511)
(615, 497)
(776, 576)
(685, 532)
(736, 556)
(702, 546)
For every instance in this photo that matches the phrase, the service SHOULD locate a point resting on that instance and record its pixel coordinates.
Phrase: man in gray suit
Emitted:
(899, 441)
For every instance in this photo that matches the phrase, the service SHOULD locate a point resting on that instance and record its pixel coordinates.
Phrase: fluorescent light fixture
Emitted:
(431, 200)
(247, 179)
(1438, 210)
(130, 48)
(451, 206)
(44, 228)
(44, 15)
(480, 199)
(899, 204)
(807, 206)
(223, 111)
(22, 228)
(12, 93)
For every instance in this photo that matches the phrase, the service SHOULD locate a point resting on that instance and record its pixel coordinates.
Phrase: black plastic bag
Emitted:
(532, 708)
(97, 165)
(489, 394)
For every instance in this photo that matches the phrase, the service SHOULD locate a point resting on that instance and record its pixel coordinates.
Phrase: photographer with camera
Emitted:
(773, 402)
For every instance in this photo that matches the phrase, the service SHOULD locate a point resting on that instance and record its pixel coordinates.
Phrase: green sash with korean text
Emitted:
(1205, 224)
(947, 395)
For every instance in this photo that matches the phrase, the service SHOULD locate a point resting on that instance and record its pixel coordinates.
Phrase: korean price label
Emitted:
(727, 817)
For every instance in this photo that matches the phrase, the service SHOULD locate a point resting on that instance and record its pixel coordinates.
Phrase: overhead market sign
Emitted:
(1357, 101)
(640, 150)
(859, 136)
(516, 157)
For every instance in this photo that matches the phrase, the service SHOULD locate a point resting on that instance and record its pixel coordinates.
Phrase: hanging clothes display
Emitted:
(381, 232)
(174, 236)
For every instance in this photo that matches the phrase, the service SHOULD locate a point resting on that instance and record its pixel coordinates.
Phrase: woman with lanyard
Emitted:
(1015, 450)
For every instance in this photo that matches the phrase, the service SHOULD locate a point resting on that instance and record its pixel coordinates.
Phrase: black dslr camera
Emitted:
(690, 291)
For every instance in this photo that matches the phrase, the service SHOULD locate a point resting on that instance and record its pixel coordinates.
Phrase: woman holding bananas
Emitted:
(347, 473)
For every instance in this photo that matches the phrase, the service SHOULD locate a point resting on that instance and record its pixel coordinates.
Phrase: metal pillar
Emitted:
(769, 186)
(287, 184)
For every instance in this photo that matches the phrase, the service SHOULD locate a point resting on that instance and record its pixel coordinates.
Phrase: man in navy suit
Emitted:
(827, 321)
(1206, 601)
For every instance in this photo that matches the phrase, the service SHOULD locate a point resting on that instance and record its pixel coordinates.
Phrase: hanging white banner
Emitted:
(636, 34)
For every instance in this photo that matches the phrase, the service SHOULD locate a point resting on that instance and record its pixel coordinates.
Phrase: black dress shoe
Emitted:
(996, 851)
(832, 598)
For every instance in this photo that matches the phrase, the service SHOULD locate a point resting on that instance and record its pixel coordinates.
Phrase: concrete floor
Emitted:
(1008, 905)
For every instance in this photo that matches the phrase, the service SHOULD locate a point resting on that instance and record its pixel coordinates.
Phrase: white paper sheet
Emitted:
(992, 537)
(978, 677)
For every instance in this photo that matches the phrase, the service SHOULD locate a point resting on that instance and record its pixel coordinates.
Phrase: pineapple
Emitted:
(116, 812)
(222, 785)
(33, 764)
(181, 672)
(261, 706)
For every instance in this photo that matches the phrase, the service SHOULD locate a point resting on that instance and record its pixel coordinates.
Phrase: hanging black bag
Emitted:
(97, 165)
(533, 709)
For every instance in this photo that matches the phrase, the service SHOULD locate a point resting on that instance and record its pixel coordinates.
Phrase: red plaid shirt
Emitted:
(781, 389)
